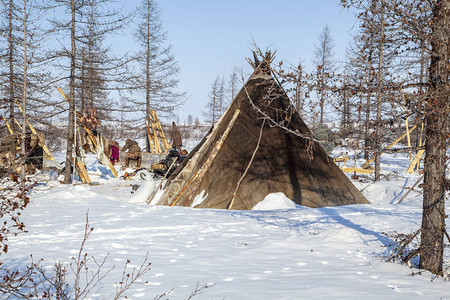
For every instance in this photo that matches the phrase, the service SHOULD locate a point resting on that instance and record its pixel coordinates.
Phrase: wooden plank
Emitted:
(408, 137)
(153, 122)
(82, 172)
(155, 138)
(415, 161)
(161, 134)
(358, 170)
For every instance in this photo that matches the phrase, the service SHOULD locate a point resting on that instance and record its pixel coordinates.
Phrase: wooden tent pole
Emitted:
(415, 164)
(161, 134)
(201, 172)
(212, 156)
(7, 125)
(33, 130)
(17, 123)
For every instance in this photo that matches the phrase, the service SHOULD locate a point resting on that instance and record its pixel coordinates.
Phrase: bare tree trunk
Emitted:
(24, 95)
(214, 110)
(369, 88)
(322, 88)
(147, 72)
(378, 123)
(423, 63)
(11, 65)
(433, 218)
(367, 128)
(298, 90)
(83, 81)
(70, 133)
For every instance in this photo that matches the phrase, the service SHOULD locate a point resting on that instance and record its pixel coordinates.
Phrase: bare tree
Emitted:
(234, 84)
(156, 80)
(325, 67)
(99, 71)
(379, 89)
(70, 135)
(436, 117)
(10, 12)
(214, 106)
(16, 40)
(419, 25)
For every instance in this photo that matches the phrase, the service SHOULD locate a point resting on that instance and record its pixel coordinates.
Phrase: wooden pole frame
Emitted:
(91, 136)
(368, 162)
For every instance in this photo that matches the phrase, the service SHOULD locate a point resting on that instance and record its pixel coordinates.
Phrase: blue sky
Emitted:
(210, 37)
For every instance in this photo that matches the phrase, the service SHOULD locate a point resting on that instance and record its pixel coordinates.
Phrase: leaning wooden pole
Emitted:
(8, 126)
(200, 174)
(33, 130)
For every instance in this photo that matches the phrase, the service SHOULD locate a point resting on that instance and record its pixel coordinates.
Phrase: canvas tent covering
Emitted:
(282, 163)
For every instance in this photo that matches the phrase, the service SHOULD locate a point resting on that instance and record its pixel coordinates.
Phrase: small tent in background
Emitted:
(286, 160)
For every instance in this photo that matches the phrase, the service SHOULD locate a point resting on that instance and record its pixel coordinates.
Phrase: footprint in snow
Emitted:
(324, 263)
(254, 278)
(118, 259)
(139, 295)
(394, 287)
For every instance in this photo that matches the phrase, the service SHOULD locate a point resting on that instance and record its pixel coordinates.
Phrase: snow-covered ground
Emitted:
(279, 250)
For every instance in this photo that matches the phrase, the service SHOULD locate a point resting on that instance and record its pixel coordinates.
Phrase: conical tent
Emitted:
(262, 136)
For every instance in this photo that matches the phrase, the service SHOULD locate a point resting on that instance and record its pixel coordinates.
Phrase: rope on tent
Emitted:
(200, 174)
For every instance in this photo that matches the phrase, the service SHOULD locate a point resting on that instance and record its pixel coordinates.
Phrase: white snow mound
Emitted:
(275, 201)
